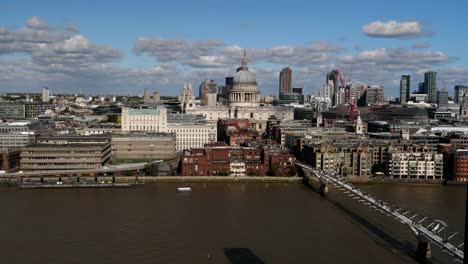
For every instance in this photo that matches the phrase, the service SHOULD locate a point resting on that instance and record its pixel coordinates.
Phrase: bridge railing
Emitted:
(432, 229)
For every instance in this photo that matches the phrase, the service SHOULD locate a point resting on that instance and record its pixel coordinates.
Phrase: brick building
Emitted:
(240, 161)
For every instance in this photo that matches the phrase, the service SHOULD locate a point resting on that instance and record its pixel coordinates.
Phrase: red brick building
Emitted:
(9, 159)
(225, 160)
(235, 131)
(241, 136)
(459, 164)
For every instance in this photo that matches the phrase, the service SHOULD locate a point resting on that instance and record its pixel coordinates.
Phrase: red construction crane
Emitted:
(352, 105)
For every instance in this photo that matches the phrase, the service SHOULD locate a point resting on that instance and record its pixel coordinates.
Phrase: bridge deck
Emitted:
(415, 222)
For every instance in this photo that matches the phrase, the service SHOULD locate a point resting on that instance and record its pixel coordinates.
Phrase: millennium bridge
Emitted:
(424, 228)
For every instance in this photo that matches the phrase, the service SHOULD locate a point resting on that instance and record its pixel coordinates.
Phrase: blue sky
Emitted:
(126, 46)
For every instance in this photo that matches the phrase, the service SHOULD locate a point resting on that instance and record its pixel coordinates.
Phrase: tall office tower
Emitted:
(442, 98)
(421, 88)
(405, 89)
(430, 86)
(460, 92)
(45, 95)
(285, 81)
(333, 78)
(146, 96)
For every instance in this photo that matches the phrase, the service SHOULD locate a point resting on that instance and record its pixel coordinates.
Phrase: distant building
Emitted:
(16, 139)
(430, 86)
(442, 98)
(348, 160)
(460, 92)
(191, 131)
(9, 159)
(236, 161)
(332, 78)
(285, 81)
(374, 95)
(143, 147)
(463, 114)
(99, 129)
(460, 165)
(206, 88)
(356, 91)
(10, 110)
(152, 118)
(211, 99)
(146, 96)
(35, 109)
(297, 90)
(415, 165)
(421, 89)
(288, 99)
(66, 153)
(45, 95)
(418, 98)
(405, 88)
(302, 113)
(156, 97)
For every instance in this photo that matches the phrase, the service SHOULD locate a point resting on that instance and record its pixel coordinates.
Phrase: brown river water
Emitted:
(216, 223)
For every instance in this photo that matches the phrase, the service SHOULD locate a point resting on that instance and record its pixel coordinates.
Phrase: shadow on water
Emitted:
(406, 247)
(242, 256)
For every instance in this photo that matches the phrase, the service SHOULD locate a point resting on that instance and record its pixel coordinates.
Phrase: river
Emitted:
(216, 223)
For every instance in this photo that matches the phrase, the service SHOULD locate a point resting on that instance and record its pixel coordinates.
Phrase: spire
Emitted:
(244, 61)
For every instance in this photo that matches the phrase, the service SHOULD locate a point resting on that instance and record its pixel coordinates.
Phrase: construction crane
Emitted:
(352, 105)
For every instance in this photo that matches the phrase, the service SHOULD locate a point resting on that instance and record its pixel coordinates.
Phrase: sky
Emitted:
(122, 47)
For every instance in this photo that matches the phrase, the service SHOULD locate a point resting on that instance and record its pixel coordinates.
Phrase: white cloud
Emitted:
(392, 29)
(62, 59)
(36, 23)
(214, 53)
(396, 59)
(72, 28)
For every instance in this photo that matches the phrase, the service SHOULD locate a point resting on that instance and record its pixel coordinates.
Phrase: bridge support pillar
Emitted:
(423, 252)
(323, 188)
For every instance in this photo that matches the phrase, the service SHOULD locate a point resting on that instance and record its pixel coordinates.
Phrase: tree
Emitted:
(273, 170)
(150, 170)
(252, 173)
(112, 118)
(292, 171)
(223, 173)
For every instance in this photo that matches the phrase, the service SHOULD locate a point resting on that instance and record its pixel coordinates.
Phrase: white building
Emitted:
(45, 95)
(192, 135)
(152, 118)
(416, 165)
(190, 132)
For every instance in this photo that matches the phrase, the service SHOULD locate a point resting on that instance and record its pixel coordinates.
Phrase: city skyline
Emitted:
(125, 48)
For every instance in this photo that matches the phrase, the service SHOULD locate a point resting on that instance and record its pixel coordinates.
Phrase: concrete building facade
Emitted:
(44, 156)
(143, 147)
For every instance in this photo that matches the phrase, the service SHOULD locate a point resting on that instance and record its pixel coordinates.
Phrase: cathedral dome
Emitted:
(244, 92)
(245, 77)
